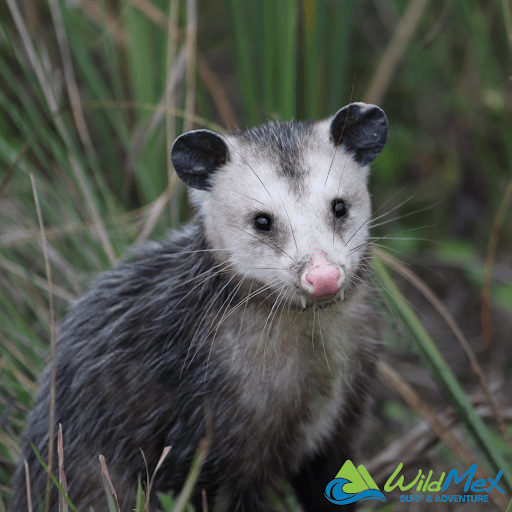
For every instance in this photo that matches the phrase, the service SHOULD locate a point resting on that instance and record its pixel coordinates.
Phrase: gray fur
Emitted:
(151, 350)
(284, 144)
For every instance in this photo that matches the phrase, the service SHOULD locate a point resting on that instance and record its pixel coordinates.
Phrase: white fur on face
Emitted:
(250, 184)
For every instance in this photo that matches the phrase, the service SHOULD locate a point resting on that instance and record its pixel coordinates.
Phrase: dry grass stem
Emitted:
(32, 55)
(53, 341)
(130, 219)
(93, 209)
(205, 72)
(38, 67)
(393, 380)
(150, 106)
(21, 357)
(144, 130)
(218, 93)
(12, 448)
(489, 265)
(191, 45)
(104, 18)
(184, 496)
(448, 318)
(27, 483)
(69, 74)
(63, 504)
(395, 51)
(157, 16)
(436, 28)
(507, 17)
(204, 501)
(109, 486)
(415, 443)
(20, 271)
(14, 166)
(156, 211)
(165, 451)
(171, 99)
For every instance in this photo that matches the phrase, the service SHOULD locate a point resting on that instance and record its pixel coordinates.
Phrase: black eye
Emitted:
(263, 223)
(339, 208)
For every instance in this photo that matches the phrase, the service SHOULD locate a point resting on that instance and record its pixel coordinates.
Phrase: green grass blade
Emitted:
(94, 81)
(337, 57)
(270, 68)
(444, 375)
(315, 50)
(54, 480)
(140, 58)
(245, 47)
(288, 14)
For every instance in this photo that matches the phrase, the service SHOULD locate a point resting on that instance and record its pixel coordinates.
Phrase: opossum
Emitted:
(250, 327)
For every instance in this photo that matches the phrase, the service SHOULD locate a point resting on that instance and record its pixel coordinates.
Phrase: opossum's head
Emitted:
(286, 205)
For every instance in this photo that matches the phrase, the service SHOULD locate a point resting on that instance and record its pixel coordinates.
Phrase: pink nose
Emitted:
(322, 275)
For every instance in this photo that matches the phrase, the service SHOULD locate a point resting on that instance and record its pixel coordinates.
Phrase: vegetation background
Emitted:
(93, 92)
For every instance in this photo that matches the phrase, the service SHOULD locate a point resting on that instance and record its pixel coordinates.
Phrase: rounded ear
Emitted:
(362, 129)
(196, 155)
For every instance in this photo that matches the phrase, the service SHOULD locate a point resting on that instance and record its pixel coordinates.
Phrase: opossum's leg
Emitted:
(314, 476)
(317, 472)
(246, 501)
(210, 492)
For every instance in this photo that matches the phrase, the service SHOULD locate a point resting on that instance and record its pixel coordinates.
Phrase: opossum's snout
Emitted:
(322, 278)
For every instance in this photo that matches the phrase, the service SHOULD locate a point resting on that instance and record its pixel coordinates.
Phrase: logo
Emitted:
(351, 484)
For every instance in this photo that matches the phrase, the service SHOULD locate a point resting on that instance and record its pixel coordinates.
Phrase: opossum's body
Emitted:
(251, 326)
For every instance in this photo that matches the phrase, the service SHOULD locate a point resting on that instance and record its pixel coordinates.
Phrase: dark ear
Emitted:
(362, 129)
(196, 155)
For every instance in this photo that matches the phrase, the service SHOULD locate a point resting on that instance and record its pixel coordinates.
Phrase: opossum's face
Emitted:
(286, 205)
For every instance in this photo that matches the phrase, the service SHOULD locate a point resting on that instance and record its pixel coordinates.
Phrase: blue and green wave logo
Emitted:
(351, 484)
